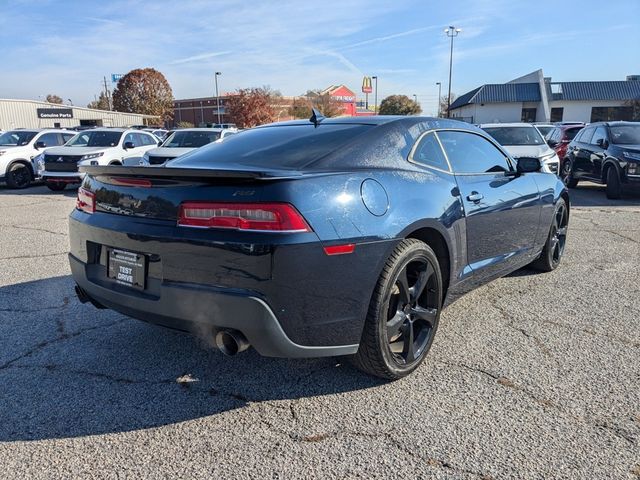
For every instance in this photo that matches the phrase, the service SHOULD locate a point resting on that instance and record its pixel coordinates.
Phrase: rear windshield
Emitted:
(190, 139)
(515, 135)
(570, 133)
(290, 146)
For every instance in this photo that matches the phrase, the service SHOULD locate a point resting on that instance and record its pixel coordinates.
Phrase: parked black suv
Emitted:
(607, 153)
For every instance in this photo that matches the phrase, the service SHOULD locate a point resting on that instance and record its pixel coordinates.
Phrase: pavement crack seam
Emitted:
(35, 256)
(36, 229)
(59, 338)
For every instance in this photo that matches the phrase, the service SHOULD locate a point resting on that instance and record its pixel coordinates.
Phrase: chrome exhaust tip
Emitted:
(231, 342)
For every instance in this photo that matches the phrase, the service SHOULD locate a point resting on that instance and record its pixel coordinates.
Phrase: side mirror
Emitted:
(159, 143)
(602, 142)
(39, 145)
(528, 165)
(129, 145)
(552, 143)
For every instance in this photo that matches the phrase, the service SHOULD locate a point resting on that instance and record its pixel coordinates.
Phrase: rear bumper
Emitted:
(202, 310)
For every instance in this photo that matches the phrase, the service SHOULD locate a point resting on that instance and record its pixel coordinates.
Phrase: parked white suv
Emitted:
(524, 140)
(99, 146)
(183, 141)
(19, 148)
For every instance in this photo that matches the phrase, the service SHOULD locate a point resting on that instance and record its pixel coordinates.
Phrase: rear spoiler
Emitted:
(202, 173)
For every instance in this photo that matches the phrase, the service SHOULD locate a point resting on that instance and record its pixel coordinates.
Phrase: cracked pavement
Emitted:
(533, 376)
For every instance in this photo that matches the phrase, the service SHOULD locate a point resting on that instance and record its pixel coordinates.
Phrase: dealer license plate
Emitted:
(127, 268)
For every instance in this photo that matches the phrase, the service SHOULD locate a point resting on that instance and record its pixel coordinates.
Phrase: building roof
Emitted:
(611, 90)
(500, 93)
(571, 91)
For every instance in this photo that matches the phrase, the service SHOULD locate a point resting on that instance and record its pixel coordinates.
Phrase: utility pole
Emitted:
(107, 93)
(451, 32)
(218, 96)
(375, 102)
(439, 97)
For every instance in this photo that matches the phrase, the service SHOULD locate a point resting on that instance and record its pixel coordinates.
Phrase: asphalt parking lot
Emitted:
(533, 376)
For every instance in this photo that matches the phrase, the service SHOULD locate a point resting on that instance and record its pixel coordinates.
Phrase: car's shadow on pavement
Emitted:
(70, 370)
(588, 194)
(39, 189)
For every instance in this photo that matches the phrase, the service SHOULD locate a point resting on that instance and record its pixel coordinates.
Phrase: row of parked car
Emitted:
(607, 153)
(54, 155)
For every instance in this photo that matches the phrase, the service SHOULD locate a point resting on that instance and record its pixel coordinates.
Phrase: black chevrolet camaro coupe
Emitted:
(316, 238)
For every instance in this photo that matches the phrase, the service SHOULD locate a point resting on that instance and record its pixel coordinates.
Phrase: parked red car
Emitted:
(559, 139)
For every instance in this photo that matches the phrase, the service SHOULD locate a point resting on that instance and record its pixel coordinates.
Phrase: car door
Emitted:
(581, 154)
(134, 152)
(502, 210)
(597, 151)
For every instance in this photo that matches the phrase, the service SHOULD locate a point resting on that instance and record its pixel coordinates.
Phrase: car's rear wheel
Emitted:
(56, 186)
(614, 186)
(554, 247)
(567, 176)
(18, 176)
(403, 314)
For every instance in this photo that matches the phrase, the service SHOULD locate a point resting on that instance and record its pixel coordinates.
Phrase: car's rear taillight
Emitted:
(86, 201)
(268, 217)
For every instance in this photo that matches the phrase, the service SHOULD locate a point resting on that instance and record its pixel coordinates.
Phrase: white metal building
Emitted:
(536, 98)
(36, 114)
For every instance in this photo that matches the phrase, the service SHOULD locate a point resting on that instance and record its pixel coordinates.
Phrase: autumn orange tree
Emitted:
(146, 91)
(249, 107)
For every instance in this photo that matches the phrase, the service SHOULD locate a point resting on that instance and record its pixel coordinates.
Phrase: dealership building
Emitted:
(536, 98)
(36, 114)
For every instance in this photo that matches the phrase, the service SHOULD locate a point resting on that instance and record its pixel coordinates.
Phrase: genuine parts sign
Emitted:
(55, 113)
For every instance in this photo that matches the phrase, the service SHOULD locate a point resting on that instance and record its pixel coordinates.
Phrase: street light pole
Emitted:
(451, 32)
(415, 98)
(375, 102)
(439, 97)
(218, 96)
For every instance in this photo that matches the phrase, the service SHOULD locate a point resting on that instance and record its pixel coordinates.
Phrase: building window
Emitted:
(556, 114)
(528, 115)
(609, 114)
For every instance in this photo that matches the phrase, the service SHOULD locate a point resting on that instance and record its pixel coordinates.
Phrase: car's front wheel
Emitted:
(614, 186)
(567, 176)
(554, 247)
(56, 186)
(18, 176)
(403, 314)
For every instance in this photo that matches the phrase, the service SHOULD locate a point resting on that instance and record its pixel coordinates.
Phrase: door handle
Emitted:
(475, 197)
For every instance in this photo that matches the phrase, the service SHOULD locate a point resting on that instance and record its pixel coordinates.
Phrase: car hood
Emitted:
(169, 151)
(528, 150)
(76, 150)
(629, 148)
(14, 148)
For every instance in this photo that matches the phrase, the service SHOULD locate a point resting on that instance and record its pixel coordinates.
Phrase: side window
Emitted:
(66, 137)
(471, 153)
(49, 139)
(429, 153)
(146, 139)
(585, 136)
(600, 134)
(130, 138)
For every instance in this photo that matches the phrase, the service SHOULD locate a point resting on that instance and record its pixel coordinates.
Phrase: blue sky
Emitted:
(66, 47)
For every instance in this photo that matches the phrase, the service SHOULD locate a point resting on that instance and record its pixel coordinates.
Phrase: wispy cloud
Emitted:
(202, 56)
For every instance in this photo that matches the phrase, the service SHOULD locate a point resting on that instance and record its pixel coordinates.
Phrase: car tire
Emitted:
(553, 249)
(567, 175)
(403, 314)
(18, 176)
(56, 186)
(614, 186)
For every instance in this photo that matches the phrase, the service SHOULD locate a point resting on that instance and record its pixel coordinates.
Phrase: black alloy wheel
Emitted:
(614, 186)
(566, 175)
(56, 186)
(18, 176)
(554, 247)
(404, 313)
